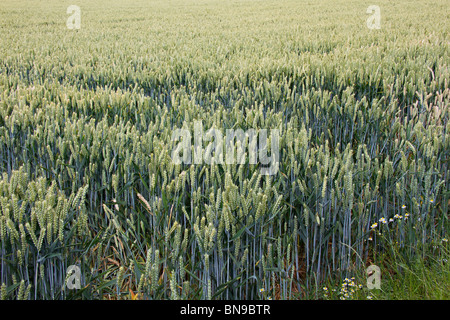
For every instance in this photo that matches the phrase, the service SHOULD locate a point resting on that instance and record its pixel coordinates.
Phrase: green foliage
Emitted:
(85, 145)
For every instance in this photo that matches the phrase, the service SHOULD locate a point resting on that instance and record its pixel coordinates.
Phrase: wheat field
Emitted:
(86, 123)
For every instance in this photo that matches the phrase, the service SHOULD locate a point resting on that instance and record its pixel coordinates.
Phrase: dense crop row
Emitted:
(85, 149)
